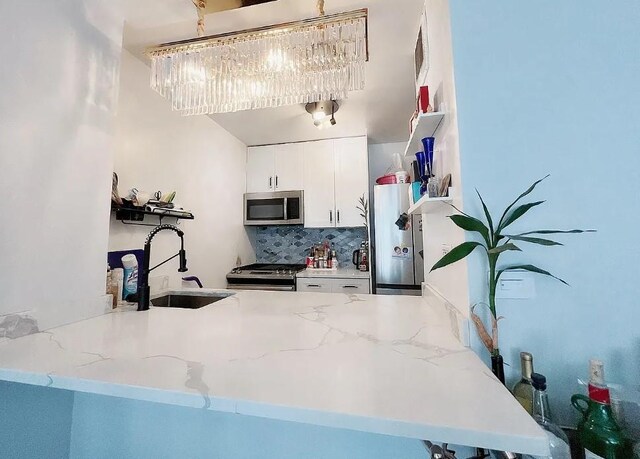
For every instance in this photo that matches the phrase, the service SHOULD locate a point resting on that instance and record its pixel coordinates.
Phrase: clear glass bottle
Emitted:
(558, 440)
(523, 390)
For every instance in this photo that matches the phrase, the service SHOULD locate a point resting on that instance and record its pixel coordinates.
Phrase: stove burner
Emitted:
(263, 276)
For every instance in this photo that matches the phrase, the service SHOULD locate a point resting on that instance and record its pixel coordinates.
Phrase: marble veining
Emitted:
(17, 325)
(387, 365)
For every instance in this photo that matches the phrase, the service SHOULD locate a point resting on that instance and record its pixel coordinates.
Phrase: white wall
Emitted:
(59, 73)
(157, 149)
(439, 232)
(552, 87)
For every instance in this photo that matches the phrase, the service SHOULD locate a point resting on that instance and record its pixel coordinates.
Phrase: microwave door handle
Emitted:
(286, 209)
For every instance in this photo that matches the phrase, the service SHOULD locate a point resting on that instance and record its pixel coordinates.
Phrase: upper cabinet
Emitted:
(289, 167)
(274, 168)
(334, 175)
(351, 180)
(319, 195)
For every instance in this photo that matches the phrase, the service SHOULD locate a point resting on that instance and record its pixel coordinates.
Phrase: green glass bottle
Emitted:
(599, 433)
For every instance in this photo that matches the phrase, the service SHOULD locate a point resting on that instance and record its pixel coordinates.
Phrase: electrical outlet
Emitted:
(516, 285)
(446, 248)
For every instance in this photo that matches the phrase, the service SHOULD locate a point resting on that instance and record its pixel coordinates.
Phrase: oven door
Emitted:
(262, 287)
(282, 208)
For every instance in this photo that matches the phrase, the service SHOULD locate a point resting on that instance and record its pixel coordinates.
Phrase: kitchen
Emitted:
(97, 114)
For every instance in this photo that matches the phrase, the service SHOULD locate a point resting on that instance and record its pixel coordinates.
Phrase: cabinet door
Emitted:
(289, 167)
(351, 286)
(260, 169)
(314, 285)
(319, 199)
(352, 180)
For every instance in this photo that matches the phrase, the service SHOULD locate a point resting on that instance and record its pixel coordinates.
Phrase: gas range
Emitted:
(262, 276)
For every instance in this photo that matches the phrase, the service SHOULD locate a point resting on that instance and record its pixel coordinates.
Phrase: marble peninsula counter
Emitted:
(380, 364)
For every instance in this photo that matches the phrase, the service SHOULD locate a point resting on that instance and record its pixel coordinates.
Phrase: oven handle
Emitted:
(268, 288)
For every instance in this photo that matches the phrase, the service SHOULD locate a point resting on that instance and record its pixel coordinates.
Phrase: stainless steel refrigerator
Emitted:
(399, 266)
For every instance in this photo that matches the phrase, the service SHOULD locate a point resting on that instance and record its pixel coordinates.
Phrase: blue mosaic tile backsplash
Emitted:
(291, 244)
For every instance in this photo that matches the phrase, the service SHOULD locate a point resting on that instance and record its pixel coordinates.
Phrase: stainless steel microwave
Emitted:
(280, 208)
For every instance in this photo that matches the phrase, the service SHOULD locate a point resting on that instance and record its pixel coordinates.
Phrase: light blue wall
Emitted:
(35, 422)
(107, 428)
(553, 87)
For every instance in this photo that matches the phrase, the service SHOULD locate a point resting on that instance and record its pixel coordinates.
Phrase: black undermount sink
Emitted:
(182, 301)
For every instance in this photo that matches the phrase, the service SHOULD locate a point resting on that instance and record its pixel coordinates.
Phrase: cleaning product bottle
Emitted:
(599, 433)
(130, 264)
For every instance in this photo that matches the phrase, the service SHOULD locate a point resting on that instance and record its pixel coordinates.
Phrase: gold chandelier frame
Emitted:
(195, 44)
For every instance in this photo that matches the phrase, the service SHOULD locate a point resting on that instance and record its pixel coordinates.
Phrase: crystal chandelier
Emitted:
(295, 63)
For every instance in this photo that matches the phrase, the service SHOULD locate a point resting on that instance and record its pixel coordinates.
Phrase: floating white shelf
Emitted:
(427, 205)
(428, 124)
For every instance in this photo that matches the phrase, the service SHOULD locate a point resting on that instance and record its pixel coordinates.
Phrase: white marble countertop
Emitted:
(340, 273)
(380, 364)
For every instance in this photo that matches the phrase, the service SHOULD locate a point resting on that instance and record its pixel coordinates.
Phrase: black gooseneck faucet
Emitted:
(143, 280)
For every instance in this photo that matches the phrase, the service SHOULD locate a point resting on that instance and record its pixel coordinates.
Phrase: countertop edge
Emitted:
(392, 427)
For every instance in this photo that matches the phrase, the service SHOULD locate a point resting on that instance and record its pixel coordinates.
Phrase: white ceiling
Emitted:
(381, 111)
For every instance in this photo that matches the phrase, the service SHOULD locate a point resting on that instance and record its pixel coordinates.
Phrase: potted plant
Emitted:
(495, 241)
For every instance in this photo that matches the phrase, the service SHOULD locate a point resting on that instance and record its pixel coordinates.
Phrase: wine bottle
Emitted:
(523, 390)
(599, 433)
(558, 440)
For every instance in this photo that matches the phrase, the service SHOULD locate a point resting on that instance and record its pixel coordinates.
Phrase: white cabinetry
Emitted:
(336, 175)
(260, 169)
(329, 285)
(319, 195)
(351, 179)
(288, 167)
(314, 285)
(333, 174)
(274, 168)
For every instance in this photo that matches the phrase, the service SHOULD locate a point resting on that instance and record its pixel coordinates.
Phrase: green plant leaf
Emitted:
(486, 214)
(534, 240)
(517, 213)
(531, 268)
(458, 210)
(505, 248)
(526, 193)
(472, 224)
(575, 231)
(457, 254)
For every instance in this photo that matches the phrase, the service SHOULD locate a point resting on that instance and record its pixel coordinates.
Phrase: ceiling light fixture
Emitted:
(312, 60)
(323, 113)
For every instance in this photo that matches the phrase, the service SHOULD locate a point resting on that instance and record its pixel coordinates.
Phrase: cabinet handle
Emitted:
(349, 286)
(270, 182)
(313, 286)
(338, 214)
(276, 182)
(331, 216)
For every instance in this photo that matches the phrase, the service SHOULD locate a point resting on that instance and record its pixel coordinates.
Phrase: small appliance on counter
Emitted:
(361, 257)
(264, 276)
